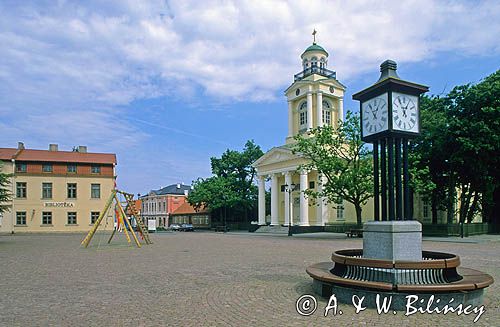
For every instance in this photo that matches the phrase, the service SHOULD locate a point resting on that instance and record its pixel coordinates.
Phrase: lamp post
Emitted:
(289, 189)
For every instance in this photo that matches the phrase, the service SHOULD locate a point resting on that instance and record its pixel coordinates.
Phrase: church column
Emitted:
(274, 199)
(304, 202)
(341, 110)
(288, 213)
(290, 119)
(322, 206)
(262, 200)
(309, 110)
(319, 108)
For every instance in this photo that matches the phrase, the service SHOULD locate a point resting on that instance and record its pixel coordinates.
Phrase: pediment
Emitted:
(275, 155)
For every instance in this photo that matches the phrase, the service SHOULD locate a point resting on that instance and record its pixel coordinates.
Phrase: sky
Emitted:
(168, 84)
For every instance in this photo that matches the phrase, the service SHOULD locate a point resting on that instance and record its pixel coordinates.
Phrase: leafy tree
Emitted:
(232, 186)
(340, 156)
(429, 168)
(5, 195)
(459, 148)
(473, 112)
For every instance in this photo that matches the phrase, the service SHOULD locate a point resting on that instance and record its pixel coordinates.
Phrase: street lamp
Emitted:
(289, 189)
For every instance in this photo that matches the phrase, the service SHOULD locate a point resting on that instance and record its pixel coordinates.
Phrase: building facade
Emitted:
(56, 191)
(159, 204)
(187, 214)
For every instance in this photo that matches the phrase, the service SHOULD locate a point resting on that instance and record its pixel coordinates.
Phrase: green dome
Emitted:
(315, 47)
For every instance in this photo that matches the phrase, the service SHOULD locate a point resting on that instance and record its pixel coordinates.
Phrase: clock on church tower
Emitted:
(390, 107)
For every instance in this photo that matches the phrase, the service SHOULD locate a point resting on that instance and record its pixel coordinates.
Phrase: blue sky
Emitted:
(167, 84)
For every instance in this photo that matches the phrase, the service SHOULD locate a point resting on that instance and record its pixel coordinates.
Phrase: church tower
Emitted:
(315, 98)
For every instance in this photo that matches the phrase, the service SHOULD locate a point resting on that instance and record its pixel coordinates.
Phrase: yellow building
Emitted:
(56, 191)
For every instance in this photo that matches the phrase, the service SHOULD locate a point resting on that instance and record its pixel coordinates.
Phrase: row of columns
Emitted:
(319, 111)
(322, 213)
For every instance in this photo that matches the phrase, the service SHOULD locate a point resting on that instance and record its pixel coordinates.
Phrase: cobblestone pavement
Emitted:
(195, 279)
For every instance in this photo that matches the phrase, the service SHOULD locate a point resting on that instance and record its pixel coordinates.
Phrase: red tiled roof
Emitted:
(186, 208)
(58, 156)
(7, 154)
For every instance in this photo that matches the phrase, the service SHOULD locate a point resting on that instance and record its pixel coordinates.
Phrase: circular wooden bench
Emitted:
(438, 272)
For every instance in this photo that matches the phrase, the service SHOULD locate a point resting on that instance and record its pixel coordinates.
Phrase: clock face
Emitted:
(375, 113)
(405, 112)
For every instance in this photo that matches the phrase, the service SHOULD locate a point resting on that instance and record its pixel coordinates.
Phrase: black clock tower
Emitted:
(390, 117)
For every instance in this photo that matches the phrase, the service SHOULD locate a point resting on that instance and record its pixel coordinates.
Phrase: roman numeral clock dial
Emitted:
(404, 112)
(375, 113)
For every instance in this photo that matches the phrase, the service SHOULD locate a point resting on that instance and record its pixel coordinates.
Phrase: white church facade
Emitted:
(315, 99)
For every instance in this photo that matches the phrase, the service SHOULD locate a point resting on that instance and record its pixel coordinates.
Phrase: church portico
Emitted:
(295, 207)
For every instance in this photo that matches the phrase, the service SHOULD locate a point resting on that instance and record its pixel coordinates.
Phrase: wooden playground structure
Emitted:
(121, 218)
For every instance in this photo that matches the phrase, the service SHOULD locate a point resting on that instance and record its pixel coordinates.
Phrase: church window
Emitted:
(322, 64)
(426, 210)
(303, 115)
(340, 208)
(314, 64)
(327, 113)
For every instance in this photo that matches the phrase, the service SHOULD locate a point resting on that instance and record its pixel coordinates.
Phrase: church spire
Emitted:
(314, 36)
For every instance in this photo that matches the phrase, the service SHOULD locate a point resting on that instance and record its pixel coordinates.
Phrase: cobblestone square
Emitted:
(197, 279)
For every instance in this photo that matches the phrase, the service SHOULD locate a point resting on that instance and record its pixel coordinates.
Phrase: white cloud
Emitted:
(113, 53)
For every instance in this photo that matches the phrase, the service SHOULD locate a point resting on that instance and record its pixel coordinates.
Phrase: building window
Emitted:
(426, 209)
(46, 190)
(311, 184)
(95, 191)
(46, 218)
(303, 115)
(94, 215)
(340, 208)
(327, 113)
(47, 168)
(71, 168)
(21, 168)
(71, 190)
(71, 218)
(21, 218)
(21, 190)
(95, 169)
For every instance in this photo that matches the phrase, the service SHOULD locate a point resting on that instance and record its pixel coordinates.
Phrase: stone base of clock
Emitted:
(393, 240)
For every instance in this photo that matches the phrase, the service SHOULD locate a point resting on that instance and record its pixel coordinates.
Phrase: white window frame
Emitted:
(302, 111)
(95, 193)
(326, 113)
(340, 208)
(74, 216)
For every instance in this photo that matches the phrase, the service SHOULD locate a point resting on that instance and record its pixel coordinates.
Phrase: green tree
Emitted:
(429, 168)
(473, 113)
(340, 156)
(233, 184)
(458, 149)
(5, 195)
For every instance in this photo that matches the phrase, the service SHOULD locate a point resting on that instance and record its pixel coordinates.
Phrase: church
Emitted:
(315, 99)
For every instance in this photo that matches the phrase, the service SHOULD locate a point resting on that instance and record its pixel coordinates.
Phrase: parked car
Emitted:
(187, 227)
(175, 227)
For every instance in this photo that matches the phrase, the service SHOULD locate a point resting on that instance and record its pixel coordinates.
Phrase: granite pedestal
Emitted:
(393, 240)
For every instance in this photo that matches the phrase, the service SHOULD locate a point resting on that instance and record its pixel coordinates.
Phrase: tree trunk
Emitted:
(358, 215)
(434, 210)
(450, 210)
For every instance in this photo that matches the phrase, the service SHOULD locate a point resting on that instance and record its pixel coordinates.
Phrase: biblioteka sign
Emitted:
(59, 204)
